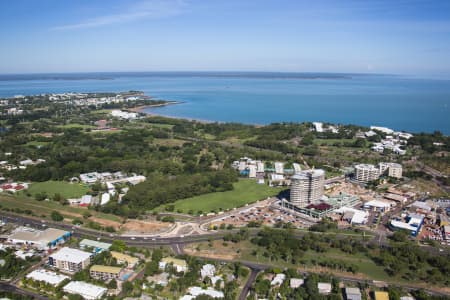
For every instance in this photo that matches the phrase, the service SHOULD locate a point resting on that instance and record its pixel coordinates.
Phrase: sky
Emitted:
(379, 36)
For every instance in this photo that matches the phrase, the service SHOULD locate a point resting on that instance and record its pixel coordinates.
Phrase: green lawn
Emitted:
(41, 208)
(245, 191)
(75, 125)
(67, 190)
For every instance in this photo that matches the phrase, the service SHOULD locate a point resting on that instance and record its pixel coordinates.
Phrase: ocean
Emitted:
(401, 103)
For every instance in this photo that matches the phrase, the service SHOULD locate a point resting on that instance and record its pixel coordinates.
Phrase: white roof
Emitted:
(87, 290)
(208, 270)
(403, 225)
(377, 203)
(296, 282)
(324, 286)
(105, 198)
(71, 255)
(47, 276)
(94, 244)
(197, 291)
(421, 205)
(278, 279)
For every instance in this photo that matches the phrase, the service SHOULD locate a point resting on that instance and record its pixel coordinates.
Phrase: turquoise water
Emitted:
(260, 98)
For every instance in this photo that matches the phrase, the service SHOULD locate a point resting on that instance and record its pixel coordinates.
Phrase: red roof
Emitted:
(6, 186)
(19, 187)
(321, 206)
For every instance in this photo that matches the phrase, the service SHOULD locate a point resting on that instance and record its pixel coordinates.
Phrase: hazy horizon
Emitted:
(381, 37)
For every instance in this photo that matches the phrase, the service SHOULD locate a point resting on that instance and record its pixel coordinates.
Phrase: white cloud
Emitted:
(148, 9)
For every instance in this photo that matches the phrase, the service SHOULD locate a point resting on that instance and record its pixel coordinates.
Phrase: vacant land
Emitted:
(44, 208)
(65, 189)
(245, 191)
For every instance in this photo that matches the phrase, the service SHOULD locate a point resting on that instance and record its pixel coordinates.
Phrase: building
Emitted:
(42, 240)
(352, 215)
(279, 167)
(86, 290)
(352, 293)
(278, 279)
(105, 273)
(446, 230)
(47, 276)
(124, 258)
(391, 169)
(179, 264)
(296, 282)
(307, 187)
(378, 205)
(95, 245)
(69, 259)
(379, 295)
(207, 270)
(413, 224)
(196, 291)
(366, 172)
(324, 288)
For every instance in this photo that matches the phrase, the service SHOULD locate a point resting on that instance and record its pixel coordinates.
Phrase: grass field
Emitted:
(245, 191)
(75, 125)
(67, 190)
(44, 208)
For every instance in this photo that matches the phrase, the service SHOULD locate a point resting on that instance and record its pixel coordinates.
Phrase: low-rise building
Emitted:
(180, 265)
(49, 277)
(380, 295)
(86, 290)
(105, 273)
(324, 288)
(95, 245)
(278, 279)
(352, 293)
(40, 239)
(296, 282)
(207, 270)
(69, 259)
(124, 258)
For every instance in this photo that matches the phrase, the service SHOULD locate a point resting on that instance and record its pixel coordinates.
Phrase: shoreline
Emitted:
(139, 109)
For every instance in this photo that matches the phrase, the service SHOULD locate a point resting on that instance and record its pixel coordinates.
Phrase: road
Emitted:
(248, 284)
(176, 243)
(7, 287)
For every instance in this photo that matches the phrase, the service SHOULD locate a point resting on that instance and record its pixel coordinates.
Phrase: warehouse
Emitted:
(86, 290)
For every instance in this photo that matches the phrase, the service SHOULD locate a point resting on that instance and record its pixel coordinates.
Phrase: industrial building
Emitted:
(69, 259)
(40, 239)
(86, 290)
(307, 187)
(413, 224)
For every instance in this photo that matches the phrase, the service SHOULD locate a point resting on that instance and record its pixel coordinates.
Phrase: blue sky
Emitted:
(393, 36)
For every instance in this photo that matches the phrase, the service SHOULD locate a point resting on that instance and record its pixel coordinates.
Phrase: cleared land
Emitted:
(245, 191)
(65, 189)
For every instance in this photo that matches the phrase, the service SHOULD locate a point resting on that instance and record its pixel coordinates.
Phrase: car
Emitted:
(182, 236)
(153, 239)
(132, 238)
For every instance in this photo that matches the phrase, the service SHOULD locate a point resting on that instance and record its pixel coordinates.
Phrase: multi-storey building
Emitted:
(69, 259)
(307, 187)
(366, 172)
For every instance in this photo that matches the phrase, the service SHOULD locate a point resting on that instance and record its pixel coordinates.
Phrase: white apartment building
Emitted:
(307, 187)
(391, 169)
(366, 172)
(69, 259)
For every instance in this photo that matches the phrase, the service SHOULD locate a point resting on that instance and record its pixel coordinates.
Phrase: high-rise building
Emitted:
(366, 172)
(307, 187)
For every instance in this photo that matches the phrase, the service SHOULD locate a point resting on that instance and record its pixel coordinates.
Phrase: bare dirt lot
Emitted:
(145, 227)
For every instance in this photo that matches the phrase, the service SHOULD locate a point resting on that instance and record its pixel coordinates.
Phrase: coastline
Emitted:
(139, 109)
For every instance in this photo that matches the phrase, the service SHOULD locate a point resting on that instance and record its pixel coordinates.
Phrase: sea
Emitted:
(398, 102)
